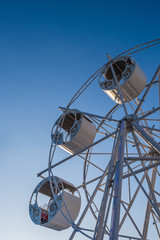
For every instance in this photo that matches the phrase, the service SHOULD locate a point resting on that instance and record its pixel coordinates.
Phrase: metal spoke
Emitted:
(75, 154)
(92, 115)
(118, 87)
(146, 92)
(149, 113)
(156, 209)
(147, 138)
(135, 225)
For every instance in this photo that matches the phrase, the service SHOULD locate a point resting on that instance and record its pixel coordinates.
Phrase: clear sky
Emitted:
(48, 49)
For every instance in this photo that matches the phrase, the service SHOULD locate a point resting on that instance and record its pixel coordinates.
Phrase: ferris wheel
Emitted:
(121, 155)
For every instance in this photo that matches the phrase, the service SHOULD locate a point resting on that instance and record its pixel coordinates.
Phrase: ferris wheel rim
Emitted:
(89, 81)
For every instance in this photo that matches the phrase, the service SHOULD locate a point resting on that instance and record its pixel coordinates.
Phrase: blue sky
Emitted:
(48, 49)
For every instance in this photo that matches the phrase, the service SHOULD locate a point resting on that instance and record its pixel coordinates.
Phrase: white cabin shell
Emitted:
(76, 132)
(64, 206)
(131, 78)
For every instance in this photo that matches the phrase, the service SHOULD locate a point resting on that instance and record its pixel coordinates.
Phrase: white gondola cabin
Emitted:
(131, 78)
(74, 132)
(56, 211)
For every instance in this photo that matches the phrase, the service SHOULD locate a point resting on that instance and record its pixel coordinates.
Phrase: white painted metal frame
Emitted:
(110, 218)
